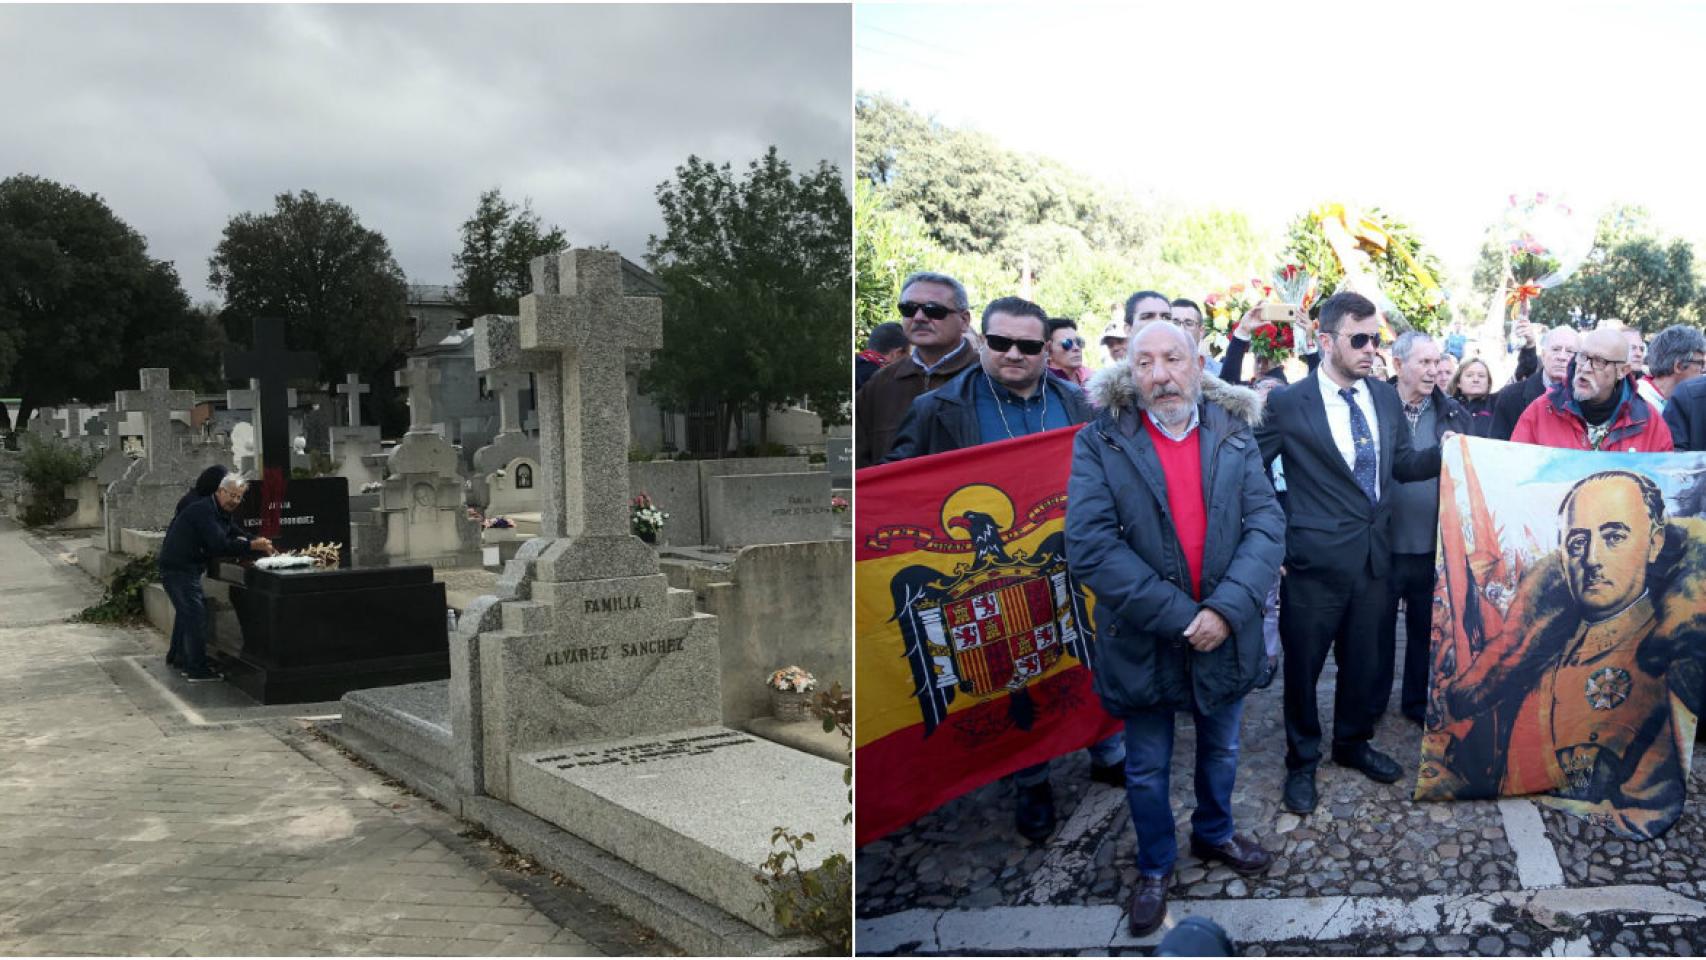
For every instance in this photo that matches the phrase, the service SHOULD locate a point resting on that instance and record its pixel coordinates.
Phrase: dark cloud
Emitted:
(184, 116)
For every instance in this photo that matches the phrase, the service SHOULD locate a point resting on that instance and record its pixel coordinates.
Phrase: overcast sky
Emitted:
(1434, 112)
(181, 117)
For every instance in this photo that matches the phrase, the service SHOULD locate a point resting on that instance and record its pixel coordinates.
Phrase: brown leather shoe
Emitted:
(1148, 904)
(1244, 855)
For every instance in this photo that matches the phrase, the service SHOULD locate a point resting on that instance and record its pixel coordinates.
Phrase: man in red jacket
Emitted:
(1596, 407)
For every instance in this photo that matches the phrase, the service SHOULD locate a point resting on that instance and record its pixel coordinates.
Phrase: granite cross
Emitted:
(270, 367)
(74, 419)
(418, 377)
(155, 401)
(508, 386)
(352, 388)
(579, 317)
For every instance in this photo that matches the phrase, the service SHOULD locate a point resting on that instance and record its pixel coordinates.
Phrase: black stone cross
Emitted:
(272, 367)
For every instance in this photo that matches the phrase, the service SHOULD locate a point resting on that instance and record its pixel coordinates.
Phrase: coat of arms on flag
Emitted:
(971, 645)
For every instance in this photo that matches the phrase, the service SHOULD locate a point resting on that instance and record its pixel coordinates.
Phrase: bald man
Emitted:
(1596, 406)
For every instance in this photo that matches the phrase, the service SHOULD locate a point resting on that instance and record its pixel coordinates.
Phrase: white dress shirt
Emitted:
(1339, 421)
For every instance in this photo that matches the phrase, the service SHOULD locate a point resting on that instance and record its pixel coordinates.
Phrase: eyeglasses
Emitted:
(1360, 340)
(1000, 344)
(1188, 322)
(1590, 362)
(1692, 362)
(1070, 343)
(932, 309)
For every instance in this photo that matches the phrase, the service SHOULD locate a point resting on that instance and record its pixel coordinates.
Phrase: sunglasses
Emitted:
(1361, 340)
(1070, 344)
(933, 310)
(1000, 344)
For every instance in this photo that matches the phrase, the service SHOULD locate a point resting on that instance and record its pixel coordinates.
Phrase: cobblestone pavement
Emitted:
(131, 823)
(1370, 872)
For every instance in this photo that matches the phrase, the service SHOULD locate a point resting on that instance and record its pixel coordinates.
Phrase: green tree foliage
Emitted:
(82, 305)
(757, 268)
(972, 195)
(48, 467)
(333, 281)
(889, 245)
(1416, 306)
(499, 243)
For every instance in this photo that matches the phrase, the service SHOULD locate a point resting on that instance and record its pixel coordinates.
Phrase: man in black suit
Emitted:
(1346, 444)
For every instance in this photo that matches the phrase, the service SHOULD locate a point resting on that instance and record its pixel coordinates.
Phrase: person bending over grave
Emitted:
(200, 531)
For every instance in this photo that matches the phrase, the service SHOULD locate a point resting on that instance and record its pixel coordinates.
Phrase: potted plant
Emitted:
(645, 519)
(791, 693)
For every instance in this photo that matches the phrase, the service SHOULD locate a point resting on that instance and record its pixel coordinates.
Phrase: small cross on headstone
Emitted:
(508, 386)
(418, 377)
(579, 315)
(155, 401)
(352, 388)
(74, 416)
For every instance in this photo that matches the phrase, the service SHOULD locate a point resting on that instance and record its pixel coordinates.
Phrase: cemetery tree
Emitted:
(758, 272)
(333, 281)
(499, 244)
(82, 305)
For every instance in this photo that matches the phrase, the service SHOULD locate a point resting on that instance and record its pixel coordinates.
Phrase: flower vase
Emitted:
(789, 706)
(650, 536)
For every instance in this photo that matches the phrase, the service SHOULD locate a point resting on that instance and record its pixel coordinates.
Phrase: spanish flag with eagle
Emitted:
(971, 635)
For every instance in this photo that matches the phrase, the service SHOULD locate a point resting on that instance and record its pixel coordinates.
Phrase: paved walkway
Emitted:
(142, 815)
(1370, 872)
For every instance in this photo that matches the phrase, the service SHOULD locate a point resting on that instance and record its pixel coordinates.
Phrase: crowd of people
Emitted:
(1232, 527)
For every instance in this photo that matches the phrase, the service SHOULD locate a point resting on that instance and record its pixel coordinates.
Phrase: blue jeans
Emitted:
(1148, 764)
(189, 618)
(1103, 753)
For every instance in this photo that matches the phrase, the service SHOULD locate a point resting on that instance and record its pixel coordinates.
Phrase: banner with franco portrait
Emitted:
(1569, 631)
(971, 636)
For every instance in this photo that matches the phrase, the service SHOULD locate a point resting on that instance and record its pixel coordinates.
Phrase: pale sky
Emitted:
(183, 116)
(1435, 112)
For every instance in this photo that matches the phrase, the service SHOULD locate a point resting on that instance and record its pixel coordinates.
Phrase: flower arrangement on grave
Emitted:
(838, 503)
(791, 693)
(373, 486)
(497, 523)
(321, 556)
(645, 519)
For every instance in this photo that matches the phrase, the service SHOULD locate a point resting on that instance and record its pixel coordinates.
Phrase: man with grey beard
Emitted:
(1179, 569)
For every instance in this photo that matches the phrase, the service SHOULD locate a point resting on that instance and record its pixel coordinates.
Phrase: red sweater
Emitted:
(1181, 463)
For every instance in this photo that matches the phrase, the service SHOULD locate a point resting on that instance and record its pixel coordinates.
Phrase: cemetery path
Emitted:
(127, 829)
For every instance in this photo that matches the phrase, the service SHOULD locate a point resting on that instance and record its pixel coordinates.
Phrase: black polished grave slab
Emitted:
(294, 636)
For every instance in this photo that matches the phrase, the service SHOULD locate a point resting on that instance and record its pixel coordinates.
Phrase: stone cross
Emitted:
(270, 367)
(74, 420)
(155, 401)
(352, 388)
(108, 424)
(508, 386)
(579, 317)
(418, 378)
(243, 401)
(41, 426)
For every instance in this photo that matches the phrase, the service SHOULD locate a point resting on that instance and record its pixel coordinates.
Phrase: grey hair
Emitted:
(1406, 343)
(1672, 346)
(233, 481)
(1546, 339)
(961, 302)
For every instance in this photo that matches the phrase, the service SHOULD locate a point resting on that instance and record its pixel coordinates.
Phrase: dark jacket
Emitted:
(1685, 412)
(1510, 402)
(880, 405)
(1331, 528)
(1480, 411)
(946, 417)
(1121, 544)
(1449, 415)
(1232, 362)
(200, 532)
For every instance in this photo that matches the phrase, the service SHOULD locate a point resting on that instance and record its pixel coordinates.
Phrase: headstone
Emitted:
(146, 496)
(72, 417)
(508, 468)
(425, 514)
(742, 510)
(270, 367)
(839, 453)
(353, 446)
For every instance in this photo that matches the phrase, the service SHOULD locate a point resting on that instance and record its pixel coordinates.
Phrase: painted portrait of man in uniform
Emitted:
(1569, 663)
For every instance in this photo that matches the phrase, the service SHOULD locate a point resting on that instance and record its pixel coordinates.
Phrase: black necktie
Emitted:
(1363, 439)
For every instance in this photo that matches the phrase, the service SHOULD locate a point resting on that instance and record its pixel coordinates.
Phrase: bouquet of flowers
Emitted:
(792, 680)
(1295, 286)
(838, 503)
(644, 517)
(1272, 341)
(1546, 242)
